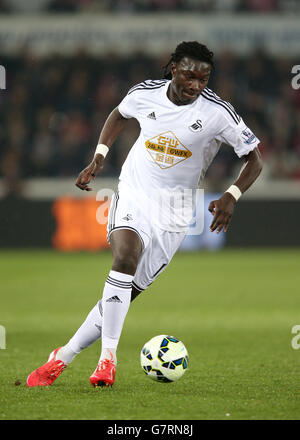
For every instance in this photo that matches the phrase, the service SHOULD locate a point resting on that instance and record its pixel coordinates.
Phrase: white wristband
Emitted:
(234, 191)
(101, 149)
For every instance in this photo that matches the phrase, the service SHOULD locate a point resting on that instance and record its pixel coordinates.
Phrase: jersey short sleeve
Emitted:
(128, 106)
(239, 136)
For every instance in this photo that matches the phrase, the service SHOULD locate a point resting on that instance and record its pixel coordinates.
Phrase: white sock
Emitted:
(89, 332)
(115, 304)
(65, 354)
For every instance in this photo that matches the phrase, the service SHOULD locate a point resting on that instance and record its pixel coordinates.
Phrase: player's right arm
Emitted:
(112, 128)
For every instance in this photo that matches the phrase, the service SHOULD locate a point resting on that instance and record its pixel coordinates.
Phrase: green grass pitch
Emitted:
(234, 310)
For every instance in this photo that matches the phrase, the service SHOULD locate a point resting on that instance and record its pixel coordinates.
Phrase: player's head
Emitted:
(189, 68)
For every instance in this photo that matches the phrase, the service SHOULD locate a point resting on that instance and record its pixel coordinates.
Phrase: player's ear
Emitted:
(173, 69)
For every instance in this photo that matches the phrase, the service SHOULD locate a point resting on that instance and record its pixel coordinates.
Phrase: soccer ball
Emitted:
(164, 358)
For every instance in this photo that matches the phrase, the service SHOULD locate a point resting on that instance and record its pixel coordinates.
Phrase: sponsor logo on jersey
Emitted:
(166, 150)
(196, 126)
(248, 136)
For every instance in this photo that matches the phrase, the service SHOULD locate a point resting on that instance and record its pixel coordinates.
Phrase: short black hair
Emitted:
(191, 49)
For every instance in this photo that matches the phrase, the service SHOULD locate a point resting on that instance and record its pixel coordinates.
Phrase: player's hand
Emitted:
(89, 173)
(222, 210)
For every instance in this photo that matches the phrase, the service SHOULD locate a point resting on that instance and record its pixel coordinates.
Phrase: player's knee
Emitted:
(125, 263)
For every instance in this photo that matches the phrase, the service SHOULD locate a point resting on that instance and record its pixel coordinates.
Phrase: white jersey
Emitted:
(177, 144)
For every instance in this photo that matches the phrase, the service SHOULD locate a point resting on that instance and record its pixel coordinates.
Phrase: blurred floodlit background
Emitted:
(68, 63)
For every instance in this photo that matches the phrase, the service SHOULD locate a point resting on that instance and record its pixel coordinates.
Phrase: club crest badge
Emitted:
(196, 126)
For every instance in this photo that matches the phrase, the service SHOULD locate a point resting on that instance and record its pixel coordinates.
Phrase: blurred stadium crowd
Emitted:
(53, 110)
(143, 6)
(54, 107)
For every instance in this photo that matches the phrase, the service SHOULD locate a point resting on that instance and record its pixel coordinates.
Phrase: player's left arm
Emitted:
(222, 209)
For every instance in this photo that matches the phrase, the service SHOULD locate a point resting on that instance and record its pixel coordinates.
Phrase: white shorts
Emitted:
(159, 246)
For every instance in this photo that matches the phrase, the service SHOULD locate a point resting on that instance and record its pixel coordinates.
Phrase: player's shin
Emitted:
(89, 332)
(115, 302)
